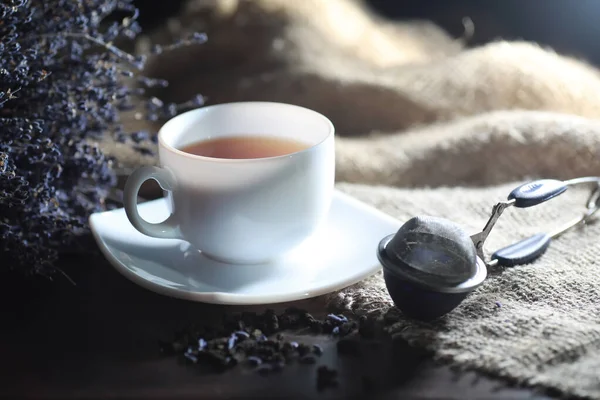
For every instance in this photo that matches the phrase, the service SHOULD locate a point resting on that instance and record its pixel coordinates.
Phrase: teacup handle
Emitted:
(168, 229)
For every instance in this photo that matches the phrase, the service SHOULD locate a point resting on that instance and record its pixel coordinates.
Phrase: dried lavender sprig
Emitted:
(62, 88)
(194, 38)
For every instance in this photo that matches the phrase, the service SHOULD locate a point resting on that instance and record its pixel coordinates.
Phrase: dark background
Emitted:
(569, 27)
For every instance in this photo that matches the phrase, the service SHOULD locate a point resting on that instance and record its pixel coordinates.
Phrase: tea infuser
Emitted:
(431, 264)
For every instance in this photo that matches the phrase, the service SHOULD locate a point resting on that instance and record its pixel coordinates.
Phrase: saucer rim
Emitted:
(225, 298)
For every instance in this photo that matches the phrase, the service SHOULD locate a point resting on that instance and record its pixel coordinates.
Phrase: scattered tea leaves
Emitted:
(255, 338)
(258, 340)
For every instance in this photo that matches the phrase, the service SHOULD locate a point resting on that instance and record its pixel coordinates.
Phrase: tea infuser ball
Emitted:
(431, 264)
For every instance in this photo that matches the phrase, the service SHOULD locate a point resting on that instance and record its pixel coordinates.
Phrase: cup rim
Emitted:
(162, 142)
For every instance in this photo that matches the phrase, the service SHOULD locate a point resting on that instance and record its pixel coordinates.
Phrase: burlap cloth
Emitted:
(428, 126)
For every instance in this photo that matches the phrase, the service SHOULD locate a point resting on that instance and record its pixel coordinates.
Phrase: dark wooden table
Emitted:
(98, 339)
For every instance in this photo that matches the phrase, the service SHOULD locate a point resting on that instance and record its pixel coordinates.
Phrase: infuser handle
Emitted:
(524, 251)
(528, 195)
(531, 194)
(536, 192)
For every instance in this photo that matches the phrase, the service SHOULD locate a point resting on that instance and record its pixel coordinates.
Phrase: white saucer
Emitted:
(341, 253)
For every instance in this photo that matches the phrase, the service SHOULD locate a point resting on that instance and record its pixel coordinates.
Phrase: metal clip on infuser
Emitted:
(431, 264)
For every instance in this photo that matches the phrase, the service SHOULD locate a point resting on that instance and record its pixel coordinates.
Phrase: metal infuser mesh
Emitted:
(433, 250)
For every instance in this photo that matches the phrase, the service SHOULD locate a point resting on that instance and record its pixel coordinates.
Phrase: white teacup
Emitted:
(243, 211)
